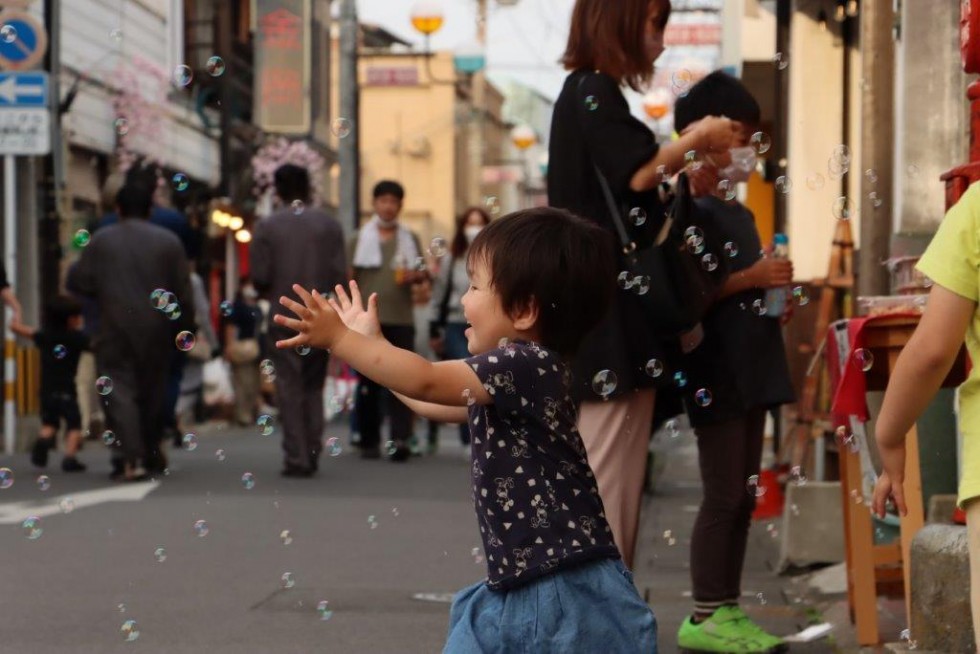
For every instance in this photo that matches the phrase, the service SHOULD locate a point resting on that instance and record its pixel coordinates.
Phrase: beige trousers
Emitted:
(617, 437)
(973, 535)
(88, 399)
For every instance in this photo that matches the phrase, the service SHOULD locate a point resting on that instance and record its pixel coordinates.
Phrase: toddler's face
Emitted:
(488, 323)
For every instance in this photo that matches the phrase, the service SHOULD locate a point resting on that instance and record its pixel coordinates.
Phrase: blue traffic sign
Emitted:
(24, 89)
(23, 40)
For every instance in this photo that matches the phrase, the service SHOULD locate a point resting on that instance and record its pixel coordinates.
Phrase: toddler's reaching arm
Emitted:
(319, 323)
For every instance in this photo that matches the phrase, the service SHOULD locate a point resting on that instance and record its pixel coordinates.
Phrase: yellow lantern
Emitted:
(427, 17)
(656, 104)
(523, 137)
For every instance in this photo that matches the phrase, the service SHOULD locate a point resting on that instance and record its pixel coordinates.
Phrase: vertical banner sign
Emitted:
(282, 66)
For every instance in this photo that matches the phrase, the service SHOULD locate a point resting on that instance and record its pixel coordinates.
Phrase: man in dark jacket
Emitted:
(297, 245)
(122, 268)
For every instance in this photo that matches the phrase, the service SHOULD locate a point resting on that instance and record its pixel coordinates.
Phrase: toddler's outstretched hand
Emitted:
(351, 310)
(316, 323)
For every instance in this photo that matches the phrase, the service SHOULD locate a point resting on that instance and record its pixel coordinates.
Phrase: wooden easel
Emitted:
(833, 289)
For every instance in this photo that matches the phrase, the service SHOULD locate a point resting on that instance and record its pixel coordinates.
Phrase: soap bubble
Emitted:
(220, 455)
(31, 527)
(760, 142)
(121, 126)
(815, 181)
(324, 611)
(226, 308)
(797, 476)
(182, 75)
(654, 368)
(130, 631)
(59, 351)
(43, 483)
(286, 537)
(109, 438)
(438, 247)
(702, 397)
(103, 385)
(784, 184)
(731, 249)
(248, 481)
(781, 60)
(604, 383)
(726, 190)
(160, 554)
(637, 216)
(185, 341)
(709, 262)
(754, 487)
(334, 447)
(190, 442)
(287, 581)
(201, 528)
(81, 238)
(303, 350)
(8, 33)
(341, 127)
(591, 103)
(298, 207)
(492, 204)
(67, 505)
(680, 379)
(215, 66)
(864, 359)
(266, 425)
(181, 182)
(800, 296)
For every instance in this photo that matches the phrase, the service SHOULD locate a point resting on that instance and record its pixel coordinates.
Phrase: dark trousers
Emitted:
(373, 399)
(299, 397)
(176, 373)
(457, 348)
(134, 407)
(728, 453)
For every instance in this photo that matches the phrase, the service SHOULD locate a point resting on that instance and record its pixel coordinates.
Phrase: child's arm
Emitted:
(21, 329)
(321, 323)
(436, 412)
(919, 372)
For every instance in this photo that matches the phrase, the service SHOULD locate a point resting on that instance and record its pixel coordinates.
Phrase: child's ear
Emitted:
(524, 318)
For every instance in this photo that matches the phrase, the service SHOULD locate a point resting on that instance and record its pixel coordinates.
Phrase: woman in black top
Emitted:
(612, 44)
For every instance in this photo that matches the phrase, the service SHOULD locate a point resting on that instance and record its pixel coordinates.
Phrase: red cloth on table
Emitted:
(848, 381)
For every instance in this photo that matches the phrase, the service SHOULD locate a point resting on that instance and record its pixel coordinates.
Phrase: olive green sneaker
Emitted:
(727, 631)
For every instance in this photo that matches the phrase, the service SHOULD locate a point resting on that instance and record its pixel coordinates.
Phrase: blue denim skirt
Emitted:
(588, 609)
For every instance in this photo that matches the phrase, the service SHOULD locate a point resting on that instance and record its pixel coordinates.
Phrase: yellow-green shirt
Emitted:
(952, 260)
(395, 305)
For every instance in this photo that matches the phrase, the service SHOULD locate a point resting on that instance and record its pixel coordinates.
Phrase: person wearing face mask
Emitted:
(447, 326)
(612, 45)
(386, 258)
(742, 361)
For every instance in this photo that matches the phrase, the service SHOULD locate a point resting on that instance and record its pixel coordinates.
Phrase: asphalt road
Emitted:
(365, 536)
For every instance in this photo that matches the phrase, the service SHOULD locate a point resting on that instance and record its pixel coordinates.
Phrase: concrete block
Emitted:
(941, 618)
(813, 525)
(941, 509)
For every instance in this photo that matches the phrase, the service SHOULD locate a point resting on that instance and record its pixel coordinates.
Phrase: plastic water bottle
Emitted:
(776, 297)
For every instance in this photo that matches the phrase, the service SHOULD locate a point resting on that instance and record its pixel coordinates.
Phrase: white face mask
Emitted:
(743, 163)
(470, 231)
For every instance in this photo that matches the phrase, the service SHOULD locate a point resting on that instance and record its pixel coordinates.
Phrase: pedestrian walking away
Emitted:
(611, 45)
(298, 244)
(555, 579)
(139, 275)
(61, 343)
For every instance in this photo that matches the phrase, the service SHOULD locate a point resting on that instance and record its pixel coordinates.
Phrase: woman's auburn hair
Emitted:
(608, 36)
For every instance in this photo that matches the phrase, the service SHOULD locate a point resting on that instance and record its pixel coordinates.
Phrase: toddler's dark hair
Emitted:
(718, 94)
(59, 310)
(564, 263)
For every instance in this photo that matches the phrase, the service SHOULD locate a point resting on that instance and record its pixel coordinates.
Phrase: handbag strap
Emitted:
(614, 211)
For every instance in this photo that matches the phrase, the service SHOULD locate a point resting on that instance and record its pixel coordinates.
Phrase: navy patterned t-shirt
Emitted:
(537, 502)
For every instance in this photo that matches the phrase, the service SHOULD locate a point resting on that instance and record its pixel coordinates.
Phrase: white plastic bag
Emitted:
(217, 382)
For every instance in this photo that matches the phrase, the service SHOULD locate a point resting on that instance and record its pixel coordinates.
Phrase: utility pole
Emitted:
(349, 102)
(52, 183)
(478, 124)
(877, 145)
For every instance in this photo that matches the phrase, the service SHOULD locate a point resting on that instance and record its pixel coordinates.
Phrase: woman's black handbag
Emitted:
(677, 277)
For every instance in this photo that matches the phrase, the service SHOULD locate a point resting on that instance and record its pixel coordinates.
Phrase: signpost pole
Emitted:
(10, 261)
